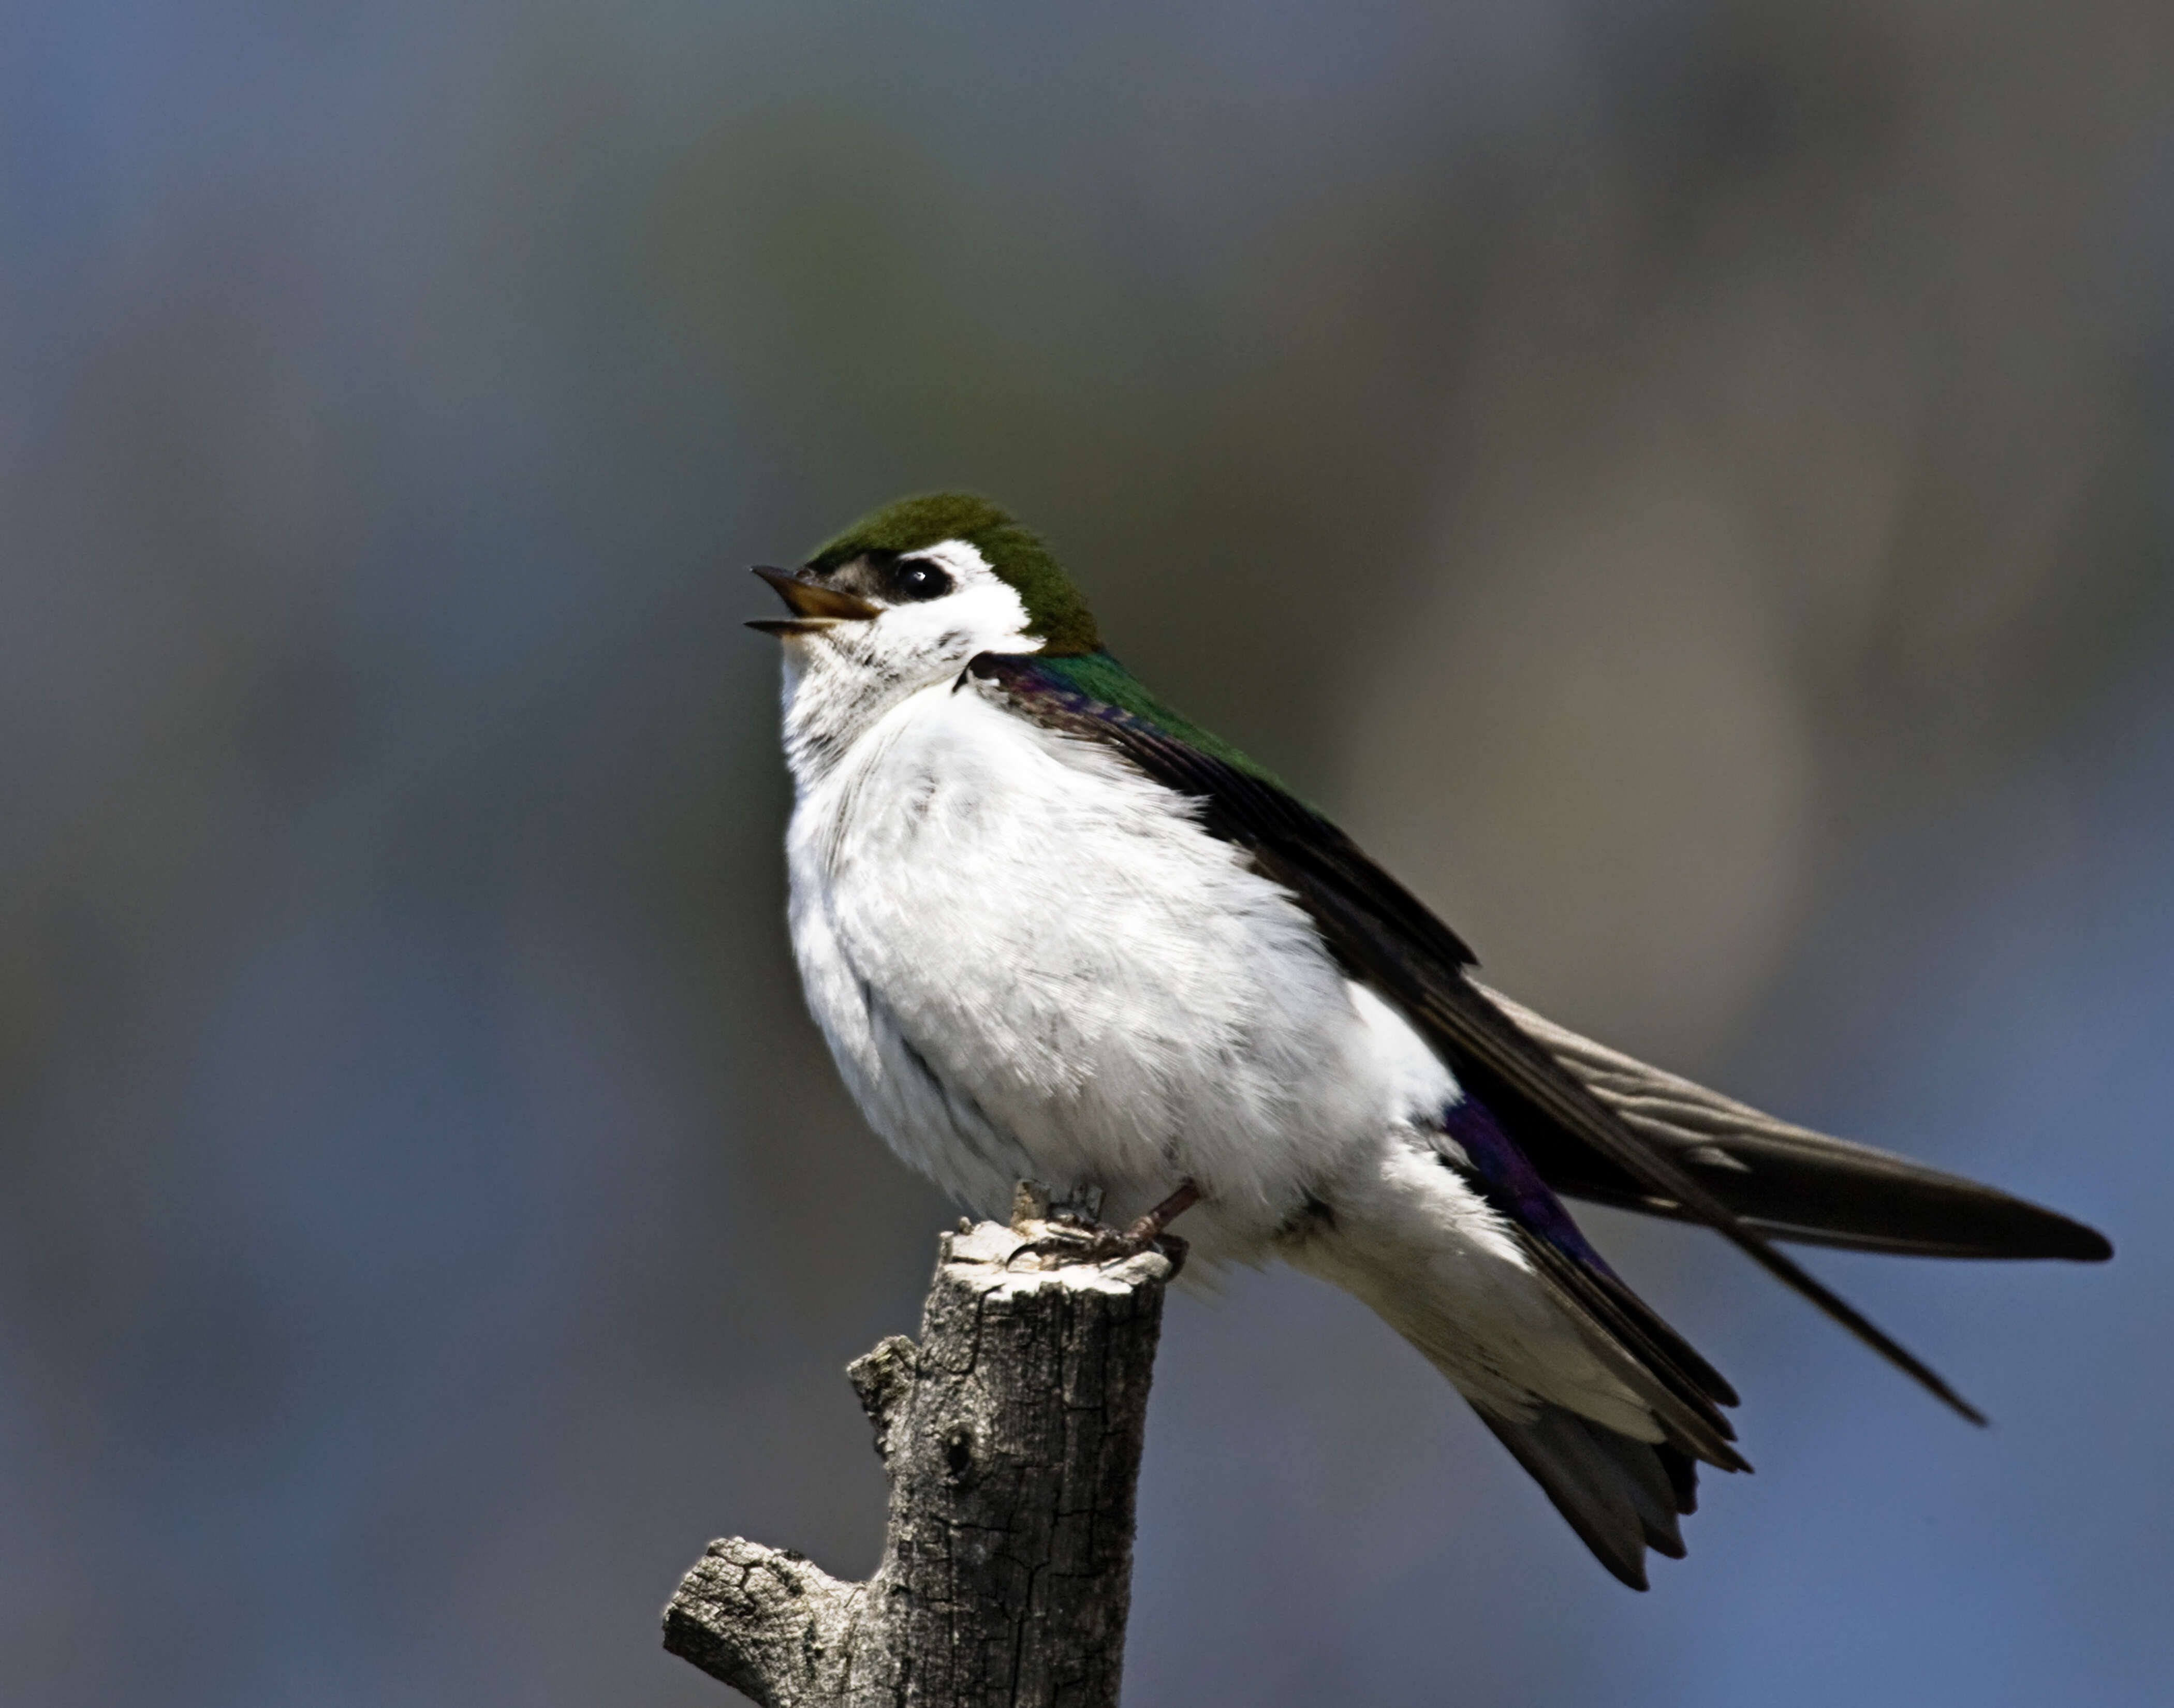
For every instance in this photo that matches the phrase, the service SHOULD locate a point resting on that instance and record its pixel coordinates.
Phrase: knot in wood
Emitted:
(882, 1378)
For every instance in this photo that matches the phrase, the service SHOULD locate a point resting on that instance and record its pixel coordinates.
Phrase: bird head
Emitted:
(917, 589)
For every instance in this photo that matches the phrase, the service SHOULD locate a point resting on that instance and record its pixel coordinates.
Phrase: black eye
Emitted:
(916, 579)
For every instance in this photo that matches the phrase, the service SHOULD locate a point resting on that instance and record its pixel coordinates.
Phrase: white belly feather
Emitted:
(1029, 958)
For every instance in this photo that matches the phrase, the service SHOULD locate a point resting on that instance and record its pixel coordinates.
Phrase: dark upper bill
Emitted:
(814, 607)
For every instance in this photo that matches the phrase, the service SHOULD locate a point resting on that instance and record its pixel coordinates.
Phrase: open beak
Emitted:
(814, 607)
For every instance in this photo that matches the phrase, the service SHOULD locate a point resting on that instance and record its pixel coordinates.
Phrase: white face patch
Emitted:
(839, 680)
(980, 614)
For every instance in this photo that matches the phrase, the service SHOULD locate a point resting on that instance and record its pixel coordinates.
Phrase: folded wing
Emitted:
(1580, 1139)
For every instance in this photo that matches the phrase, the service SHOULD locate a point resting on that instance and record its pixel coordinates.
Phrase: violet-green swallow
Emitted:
(1053, 930)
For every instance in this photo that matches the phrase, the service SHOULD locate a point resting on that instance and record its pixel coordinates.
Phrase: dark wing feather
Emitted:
(1789, 1182)
(1627, 1332)
(1384, 934)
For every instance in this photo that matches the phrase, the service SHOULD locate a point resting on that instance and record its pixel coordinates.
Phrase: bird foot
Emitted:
(1068, 1235)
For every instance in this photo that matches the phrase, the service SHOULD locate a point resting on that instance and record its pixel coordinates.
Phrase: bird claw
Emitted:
(1094, 1242)
(1069, 1237)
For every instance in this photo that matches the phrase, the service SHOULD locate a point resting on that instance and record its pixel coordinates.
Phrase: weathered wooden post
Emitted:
(1012, 1437)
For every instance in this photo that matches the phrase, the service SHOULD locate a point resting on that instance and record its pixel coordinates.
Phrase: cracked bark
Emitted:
(1011, 1434)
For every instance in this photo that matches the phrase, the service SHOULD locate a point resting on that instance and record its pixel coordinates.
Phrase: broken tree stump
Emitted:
(1012, 1437)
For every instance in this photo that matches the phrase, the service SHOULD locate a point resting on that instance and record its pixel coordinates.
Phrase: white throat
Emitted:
(840, 681)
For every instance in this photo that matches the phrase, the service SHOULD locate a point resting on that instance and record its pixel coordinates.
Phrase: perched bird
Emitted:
(1053, 930)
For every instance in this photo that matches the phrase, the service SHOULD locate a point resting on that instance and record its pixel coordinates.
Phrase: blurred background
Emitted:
(1685, 481)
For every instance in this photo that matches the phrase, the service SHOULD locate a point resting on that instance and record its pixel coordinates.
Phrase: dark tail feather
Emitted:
(1621, 1496)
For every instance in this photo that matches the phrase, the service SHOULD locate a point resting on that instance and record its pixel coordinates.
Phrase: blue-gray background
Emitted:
(1685, 480)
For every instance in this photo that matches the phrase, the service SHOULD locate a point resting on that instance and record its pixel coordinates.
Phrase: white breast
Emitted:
(1030, 960)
